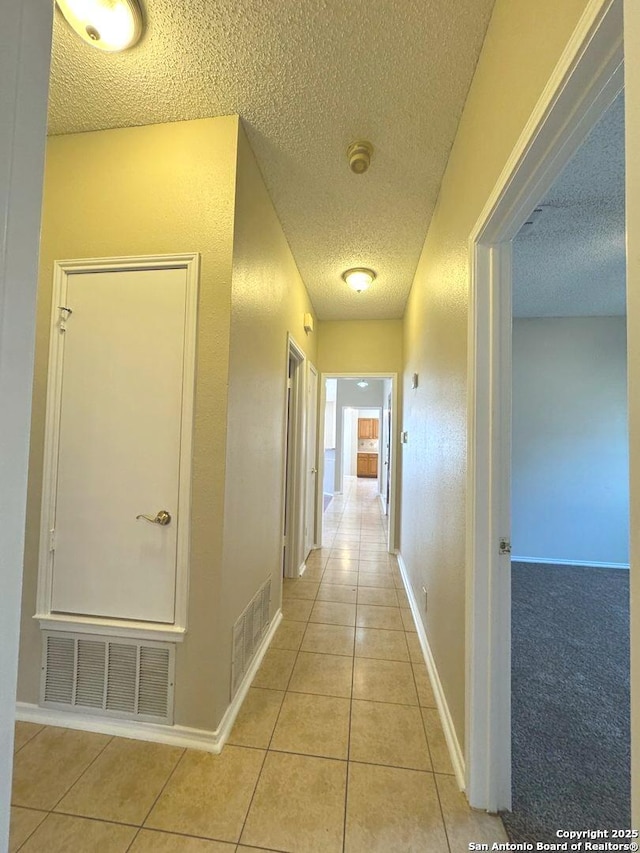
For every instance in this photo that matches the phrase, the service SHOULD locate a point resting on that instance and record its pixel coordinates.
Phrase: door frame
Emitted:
(391, 539)
(25, 52)
(588, 77)
(387, 462)
(294, 481)
(358, 409)
(311, 462)
(126, 627)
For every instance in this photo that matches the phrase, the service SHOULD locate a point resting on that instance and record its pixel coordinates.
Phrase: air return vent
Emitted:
(112, 677)
(248, 632)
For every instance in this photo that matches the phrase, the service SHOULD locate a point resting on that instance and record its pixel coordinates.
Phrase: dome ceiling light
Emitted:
(109, 25)
(359, 278)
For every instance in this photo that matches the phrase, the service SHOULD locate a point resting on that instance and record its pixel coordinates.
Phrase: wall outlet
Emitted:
(424, 590)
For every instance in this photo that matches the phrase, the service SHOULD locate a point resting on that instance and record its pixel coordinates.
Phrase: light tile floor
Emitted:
(338, 746)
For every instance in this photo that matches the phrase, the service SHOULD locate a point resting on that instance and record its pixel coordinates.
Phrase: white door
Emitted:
(312, 467)
(119, 444)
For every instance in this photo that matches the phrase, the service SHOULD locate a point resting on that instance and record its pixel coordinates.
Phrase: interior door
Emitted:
(312, 467)
(119, 444)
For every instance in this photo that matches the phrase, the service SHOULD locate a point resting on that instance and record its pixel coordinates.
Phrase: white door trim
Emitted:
(295, 492)
(585, 82)
(391, 542)
(311, 456)
(25, 51)
(62, 270)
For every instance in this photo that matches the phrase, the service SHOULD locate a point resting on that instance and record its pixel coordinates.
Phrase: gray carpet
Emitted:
(570, 700)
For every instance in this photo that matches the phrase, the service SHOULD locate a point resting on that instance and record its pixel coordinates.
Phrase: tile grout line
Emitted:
(268, 749)
(27, 741)
(160, 793)
(74, 783)
(255, 788)
(444, 822)
(353, 671)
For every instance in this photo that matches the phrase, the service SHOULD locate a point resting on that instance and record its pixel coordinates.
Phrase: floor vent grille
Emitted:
(248, 632)
(122, 678)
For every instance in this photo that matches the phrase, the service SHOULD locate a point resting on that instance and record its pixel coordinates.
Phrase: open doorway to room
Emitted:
(359, 447)
(586, 82)
(570, 500)
(361, 444)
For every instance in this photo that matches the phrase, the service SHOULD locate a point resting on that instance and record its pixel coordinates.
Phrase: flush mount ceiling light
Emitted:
(363, 384)
(359, 278)
(109, 25)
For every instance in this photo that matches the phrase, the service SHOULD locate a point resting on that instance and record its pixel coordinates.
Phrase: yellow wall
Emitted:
(523, 43)
(360, 346)
(269, 300)
(149, 190)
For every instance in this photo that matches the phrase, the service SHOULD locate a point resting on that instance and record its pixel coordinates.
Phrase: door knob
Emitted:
(163, 517)
(314, 470)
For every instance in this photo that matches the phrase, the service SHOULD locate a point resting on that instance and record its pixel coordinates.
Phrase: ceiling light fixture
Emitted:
(109, 25)
(359, 278)
(363, 384)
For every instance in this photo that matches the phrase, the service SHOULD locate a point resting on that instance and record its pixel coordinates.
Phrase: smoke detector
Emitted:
(359, 155)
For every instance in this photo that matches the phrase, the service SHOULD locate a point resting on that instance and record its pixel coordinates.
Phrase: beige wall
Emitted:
(360, 346)
(269, 300)
(523, 43)
(149, 190)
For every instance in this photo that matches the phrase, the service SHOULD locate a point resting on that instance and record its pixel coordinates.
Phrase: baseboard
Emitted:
(455, 752)
(590, 564)
(226, 723)
(183, 736)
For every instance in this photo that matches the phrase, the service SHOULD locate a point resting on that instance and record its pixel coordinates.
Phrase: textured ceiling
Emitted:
(571, 261)
(307, 78)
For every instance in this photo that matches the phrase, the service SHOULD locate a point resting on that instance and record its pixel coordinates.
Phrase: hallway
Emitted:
(338, 746)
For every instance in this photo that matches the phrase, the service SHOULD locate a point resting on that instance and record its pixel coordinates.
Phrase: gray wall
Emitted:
(570, 498)
(349, 394)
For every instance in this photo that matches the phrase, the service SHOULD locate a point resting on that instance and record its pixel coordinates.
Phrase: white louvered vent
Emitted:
(113, 677)
(248, 632)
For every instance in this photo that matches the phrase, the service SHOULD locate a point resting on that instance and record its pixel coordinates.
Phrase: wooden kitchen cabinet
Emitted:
(367, 428)
(367, 465)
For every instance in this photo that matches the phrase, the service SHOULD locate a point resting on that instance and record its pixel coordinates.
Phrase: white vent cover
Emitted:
(248, 632)
(109, 676)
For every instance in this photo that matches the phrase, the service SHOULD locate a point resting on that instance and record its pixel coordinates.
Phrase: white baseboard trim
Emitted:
(564, 562)
(226, 723)
(455, 752)
(183, 736)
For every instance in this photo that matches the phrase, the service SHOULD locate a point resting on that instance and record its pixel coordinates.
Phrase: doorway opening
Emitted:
(361, 444)
(585, 83)
(353, 407)
(570, 500)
